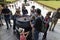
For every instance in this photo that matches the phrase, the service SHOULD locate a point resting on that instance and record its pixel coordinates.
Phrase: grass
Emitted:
(53, 4)
(10, 0)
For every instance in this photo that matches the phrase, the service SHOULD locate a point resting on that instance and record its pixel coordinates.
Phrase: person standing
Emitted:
(33, 11)
(15, 16)
(55, 17)
(47, 21)
(6, 13)
(24, 11)
(32, 25)
(37, 24)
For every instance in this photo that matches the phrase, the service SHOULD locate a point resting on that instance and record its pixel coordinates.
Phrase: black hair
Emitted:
(17, 11)
(33, 17)
(58, 9)
(38, 11)
(33, 6)
(49, 13)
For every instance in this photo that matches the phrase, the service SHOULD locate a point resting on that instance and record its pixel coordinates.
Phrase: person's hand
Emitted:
(27, 33)
(32, 25)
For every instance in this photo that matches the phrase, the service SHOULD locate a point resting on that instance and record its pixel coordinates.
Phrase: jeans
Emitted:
(36, 34)
(14, 24)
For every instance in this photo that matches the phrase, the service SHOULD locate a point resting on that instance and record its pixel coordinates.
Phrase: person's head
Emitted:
(48, 14)
(58, 10)
(38, 11)
(33, 17)
(33, 7)
(17, 11)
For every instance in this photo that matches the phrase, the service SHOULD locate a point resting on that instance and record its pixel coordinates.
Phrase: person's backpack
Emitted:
(38, 24)
(43, 28)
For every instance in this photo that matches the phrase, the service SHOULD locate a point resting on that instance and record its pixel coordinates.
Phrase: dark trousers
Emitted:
(29, 37)
(7, 22)
(45, 33)
(14, 24)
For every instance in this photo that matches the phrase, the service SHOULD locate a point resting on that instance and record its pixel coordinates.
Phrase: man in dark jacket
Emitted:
(24, 10)
(6, 13)
(38, 24)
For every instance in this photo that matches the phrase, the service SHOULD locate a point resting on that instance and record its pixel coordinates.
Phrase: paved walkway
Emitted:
(8, 34)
